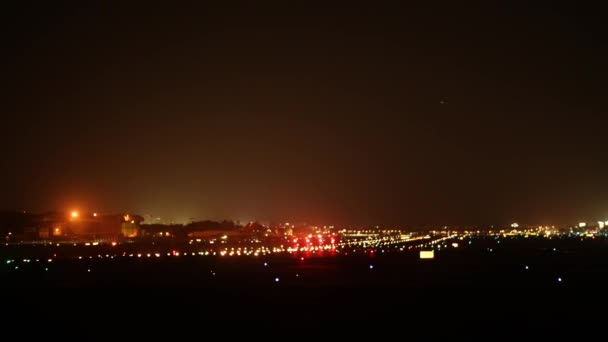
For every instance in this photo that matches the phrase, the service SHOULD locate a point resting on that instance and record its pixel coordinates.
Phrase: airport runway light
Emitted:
(427, 254)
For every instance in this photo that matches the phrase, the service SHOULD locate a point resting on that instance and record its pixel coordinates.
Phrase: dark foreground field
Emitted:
(469, 286)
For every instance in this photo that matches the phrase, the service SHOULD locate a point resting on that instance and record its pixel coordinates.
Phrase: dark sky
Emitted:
(392, 113)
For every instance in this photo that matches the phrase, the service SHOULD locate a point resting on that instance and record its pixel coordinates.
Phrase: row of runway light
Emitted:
(381, 244)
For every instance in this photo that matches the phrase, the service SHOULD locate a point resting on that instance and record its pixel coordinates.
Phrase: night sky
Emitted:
(359, 114)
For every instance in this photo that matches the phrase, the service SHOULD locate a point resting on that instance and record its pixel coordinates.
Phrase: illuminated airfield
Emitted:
(49, 256)
(310, 246)
(352, 277)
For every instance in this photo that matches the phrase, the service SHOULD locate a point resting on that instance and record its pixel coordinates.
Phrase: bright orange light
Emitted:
(74, 214)
(114, 243)
(127, 218)
(95, 214)
(56, 230)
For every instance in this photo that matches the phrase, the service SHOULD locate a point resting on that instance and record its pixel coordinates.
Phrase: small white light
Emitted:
(371, 267)
(276, 280)
(265, 264)
(559, 280)
(527, 267)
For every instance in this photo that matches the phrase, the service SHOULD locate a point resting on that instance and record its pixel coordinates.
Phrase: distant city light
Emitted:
(582, 224)
(455, 244)
(95, 214)
(527, 267)
(276, 280)
(371, 267)
(514, 225)
(74, 214)
(601, 224)
(559, 280)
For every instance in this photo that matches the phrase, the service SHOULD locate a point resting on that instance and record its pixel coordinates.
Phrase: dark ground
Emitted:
(465, 288)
